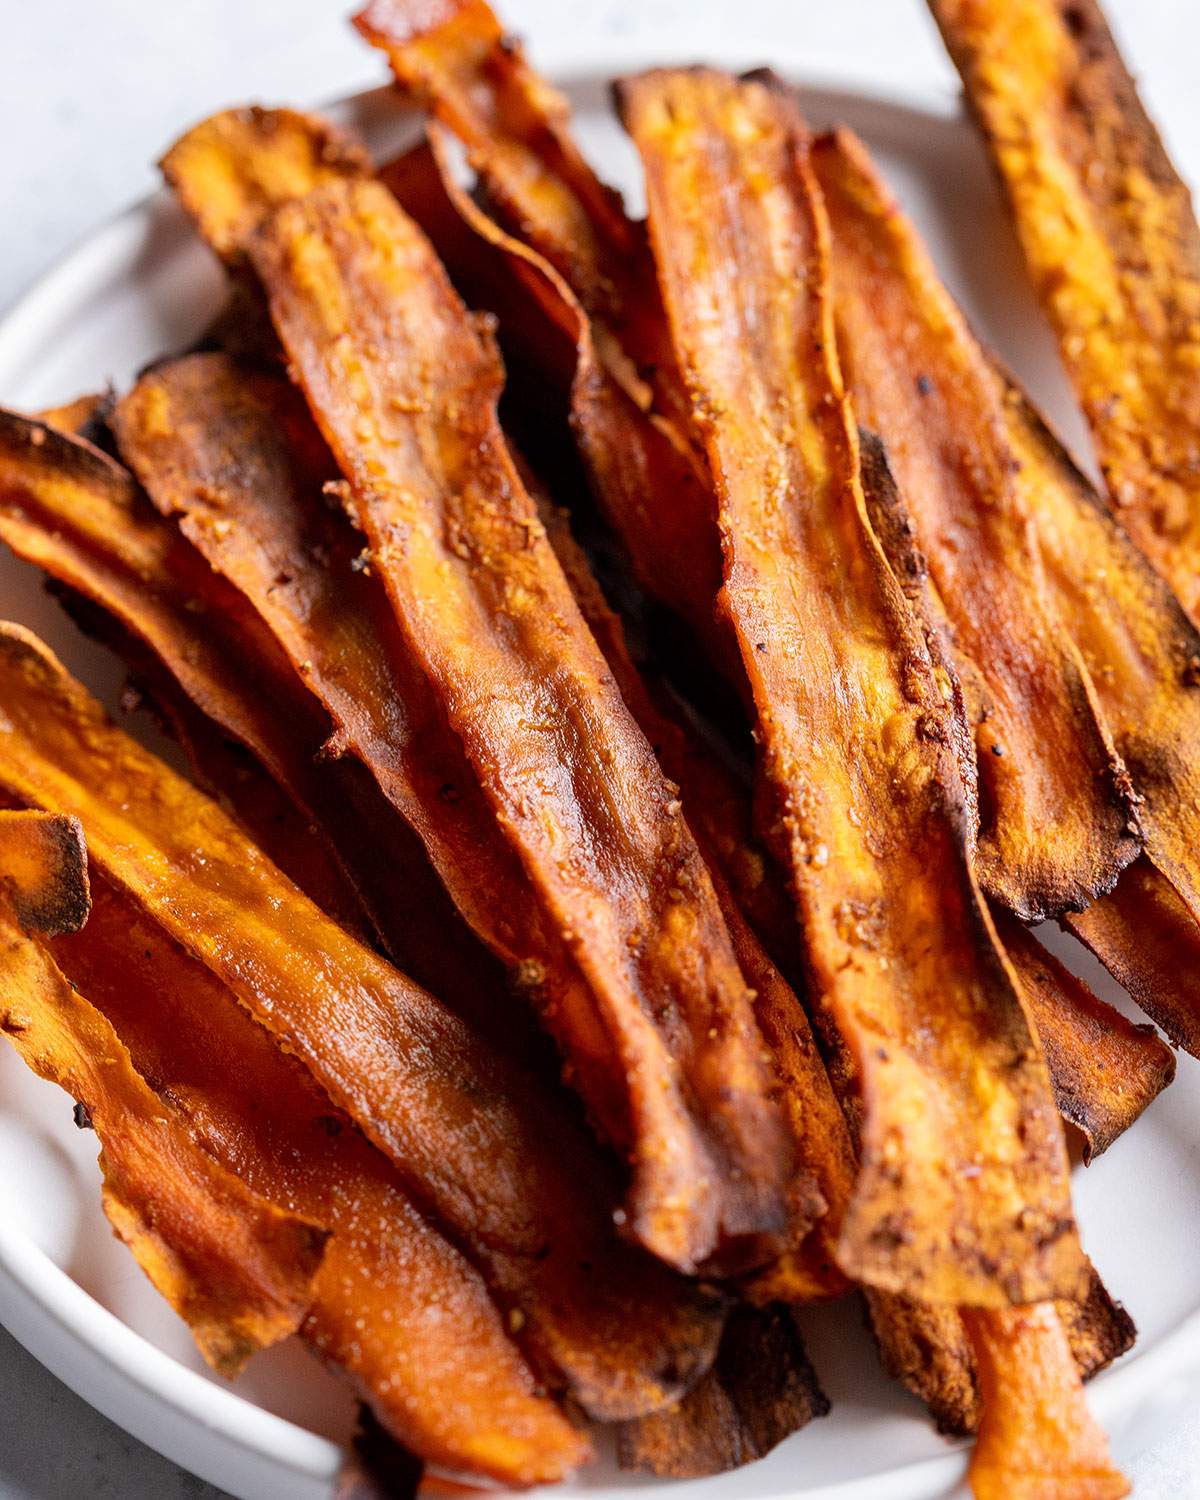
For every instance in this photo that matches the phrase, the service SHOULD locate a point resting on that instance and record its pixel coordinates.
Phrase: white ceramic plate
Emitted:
(142, 286)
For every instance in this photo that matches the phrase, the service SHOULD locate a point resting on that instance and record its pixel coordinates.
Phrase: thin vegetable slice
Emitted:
(234, 166)
(761, 1390)
(1112, 246)
(405, 389)
(1058, 814)
(1036, 1436)
(1136, 643)
(455, 57)
(927, 1346)
(478, 1142)
(72, 511)
(236, 1269)
(1103, 1087)
(394, 1305)
(962, 1194)
(1105, 1069)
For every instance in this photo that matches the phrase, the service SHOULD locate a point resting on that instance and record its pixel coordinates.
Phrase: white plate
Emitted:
(142, 286)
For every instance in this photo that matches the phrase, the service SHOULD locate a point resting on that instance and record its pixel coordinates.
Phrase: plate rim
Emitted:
(35, 1292)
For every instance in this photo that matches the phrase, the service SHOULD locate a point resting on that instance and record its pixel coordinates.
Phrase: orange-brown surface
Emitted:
(237, 1269)
(962, 1193)
(478, 1142)
(1112, 246)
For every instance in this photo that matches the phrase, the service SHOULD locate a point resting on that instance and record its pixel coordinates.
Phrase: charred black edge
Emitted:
(63, 902)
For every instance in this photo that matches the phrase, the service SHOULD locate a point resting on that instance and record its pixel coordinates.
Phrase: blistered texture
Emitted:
(926, 1345)
(761, 1390)
(962, 1193)
(72, 511)
(1112, 246)
(404, 386)
(1058, 818)
(394, 1306)
(236, 1269)
(1141, 654)
(1036, 1435)
(478, 1142)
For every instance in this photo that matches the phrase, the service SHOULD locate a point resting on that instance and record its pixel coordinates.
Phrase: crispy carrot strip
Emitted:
(1067, 1015)
(761, 1390)
(1105, 1069)
(962, 1194)
(716, 808)
(454, 57)
(74, 512)
(1059, 819)
(394, 1305)
(1037, 1440)
(236, 1269)
(927, 1347)
(232, 167)
(361, 305)
(1141, 654)
(587, 1054)
(477, 1140)
(1112, 247)
(1144, 657)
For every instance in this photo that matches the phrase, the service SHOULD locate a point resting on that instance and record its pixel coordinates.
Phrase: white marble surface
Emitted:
(90, 92)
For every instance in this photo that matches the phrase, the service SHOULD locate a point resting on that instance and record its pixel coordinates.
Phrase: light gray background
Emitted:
(91, 90)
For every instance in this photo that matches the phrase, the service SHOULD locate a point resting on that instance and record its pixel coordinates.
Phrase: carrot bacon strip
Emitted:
(1105, 1069)
(236, 1269)
(501, 1167)
(1144, 657)
(962, 1194)
(590, 279)
(761, 1390)
(394, 1305)
(1059, 819)
(369, 321)
(1036, 1437)
(75, 513)
(1112, 247)
(454, 56)
(232, 167)
(1137, 645)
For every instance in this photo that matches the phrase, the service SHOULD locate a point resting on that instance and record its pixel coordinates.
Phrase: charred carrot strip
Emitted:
(72, 511)
(926, 1345)
(761, 1390)
(962, 1194)
(1036, 1436)
(1144, 657)
(643, 474)
(394, 1305)
(1141, 654)
(1105, 1069)
(405, 389)
(503, 275)
(236, 1269)
(1112, 247)
(454, 57)
(716, 808)
(1059, 819)
(477, 1141)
